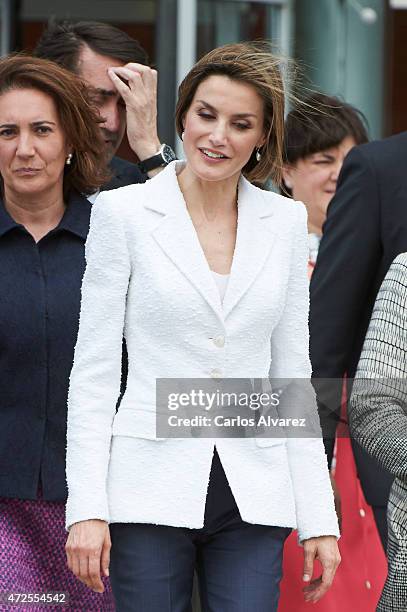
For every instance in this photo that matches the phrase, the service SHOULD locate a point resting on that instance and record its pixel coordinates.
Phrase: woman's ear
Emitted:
(287, 176)
(261, 142)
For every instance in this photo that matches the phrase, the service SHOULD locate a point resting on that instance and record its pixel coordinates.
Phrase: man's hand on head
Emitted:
(137, 85)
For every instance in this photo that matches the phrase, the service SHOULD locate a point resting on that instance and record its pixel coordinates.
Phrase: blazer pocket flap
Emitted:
(266, 441)
(136, 423)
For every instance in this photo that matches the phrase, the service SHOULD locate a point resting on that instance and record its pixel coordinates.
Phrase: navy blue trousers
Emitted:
(238, 564)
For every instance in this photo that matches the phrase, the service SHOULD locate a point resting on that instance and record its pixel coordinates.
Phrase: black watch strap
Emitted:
(164, 156)
(151, 163)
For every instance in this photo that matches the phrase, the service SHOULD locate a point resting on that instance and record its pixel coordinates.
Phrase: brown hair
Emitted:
(79, 119)
(251, 63)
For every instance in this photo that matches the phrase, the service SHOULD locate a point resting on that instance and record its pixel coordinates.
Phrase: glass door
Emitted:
(222, 21)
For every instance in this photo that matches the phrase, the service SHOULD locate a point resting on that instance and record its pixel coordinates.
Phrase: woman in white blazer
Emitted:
(206, 276)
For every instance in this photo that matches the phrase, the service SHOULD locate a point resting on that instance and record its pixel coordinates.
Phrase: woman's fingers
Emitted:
(320, 586)
(105, 557)
(312, 589)
(309, 557)
(94, 578)
(74, 566)
(84, 551)
(325, 549)
(83, 563)
(68, 558)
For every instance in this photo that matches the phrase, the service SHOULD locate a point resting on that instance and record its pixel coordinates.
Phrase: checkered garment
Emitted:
(378, 417)
(33, 559)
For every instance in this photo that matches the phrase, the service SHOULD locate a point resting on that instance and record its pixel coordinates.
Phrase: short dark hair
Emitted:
(79, 119)
(319, 123)
(63, 41)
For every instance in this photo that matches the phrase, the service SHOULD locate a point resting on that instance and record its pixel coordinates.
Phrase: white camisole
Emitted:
(221, 281)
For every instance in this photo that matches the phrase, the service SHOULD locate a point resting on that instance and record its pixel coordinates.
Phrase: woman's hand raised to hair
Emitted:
(325, 549)
(88, 552)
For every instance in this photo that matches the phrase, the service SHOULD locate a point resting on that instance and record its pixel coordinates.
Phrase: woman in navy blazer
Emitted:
(51, 151)
(206, 276)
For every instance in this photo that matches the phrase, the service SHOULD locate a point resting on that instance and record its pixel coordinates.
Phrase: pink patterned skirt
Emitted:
(33, 560)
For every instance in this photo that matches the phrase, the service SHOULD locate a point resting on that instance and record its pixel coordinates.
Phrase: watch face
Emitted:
(168, 154)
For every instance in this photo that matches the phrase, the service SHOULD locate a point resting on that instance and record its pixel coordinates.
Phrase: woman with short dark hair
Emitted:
(321, 122)
(319, 133)
(51, 155)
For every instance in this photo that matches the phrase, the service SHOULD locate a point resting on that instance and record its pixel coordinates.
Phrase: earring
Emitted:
(182, 135)
(69, 159)
(258, 154)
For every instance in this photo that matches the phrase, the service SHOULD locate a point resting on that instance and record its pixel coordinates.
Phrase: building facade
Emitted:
(352, 48)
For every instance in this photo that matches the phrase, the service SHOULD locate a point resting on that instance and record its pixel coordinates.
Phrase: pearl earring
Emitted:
(69, 159)
(258, 154)
(182, 135)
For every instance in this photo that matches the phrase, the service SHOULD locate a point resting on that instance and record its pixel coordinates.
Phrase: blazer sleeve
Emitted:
(347, 263)
(314, 500)
(378, 405)
(96, 373)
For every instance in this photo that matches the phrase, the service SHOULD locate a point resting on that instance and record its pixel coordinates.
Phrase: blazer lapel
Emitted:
(177, 237)
(255, 238)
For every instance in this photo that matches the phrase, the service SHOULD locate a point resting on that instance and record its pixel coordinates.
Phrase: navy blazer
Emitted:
(39, 311)
(40, 288)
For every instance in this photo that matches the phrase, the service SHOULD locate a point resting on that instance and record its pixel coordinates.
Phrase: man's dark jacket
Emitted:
(366, 228)
(124, 173)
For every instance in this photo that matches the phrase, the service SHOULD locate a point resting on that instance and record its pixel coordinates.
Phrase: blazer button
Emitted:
(219, 341)
(216, 373)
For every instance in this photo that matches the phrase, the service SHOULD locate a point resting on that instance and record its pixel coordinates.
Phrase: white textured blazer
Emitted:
(147, 278)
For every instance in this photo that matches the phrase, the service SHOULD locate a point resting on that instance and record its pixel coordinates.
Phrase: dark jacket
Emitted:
(365, 230)
(124, 173)
(39, 311)
(39, 315)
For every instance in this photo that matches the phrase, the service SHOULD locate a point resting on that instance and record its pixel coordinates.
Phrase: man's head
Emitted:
(89, 48)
